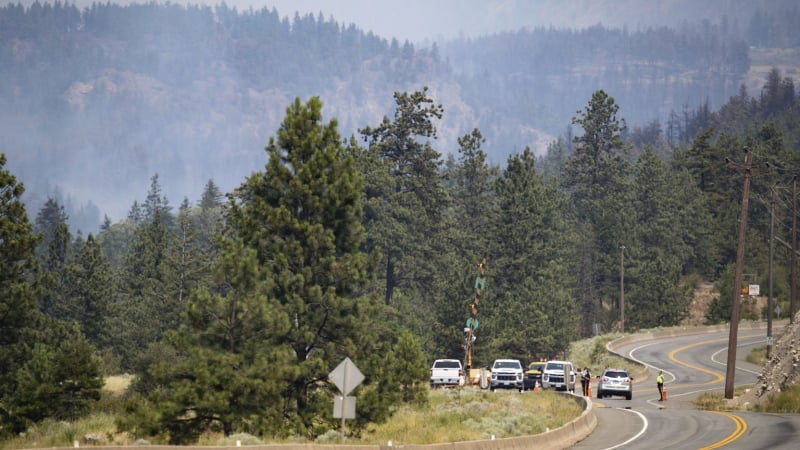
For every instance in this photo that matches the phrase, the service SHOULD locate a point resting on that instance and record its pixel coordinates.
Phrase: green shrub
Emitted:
(787, 401)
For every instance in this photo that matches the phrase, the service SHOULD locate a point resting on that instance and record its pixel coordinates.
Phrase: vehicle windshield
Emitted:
(507, 365)
(555, 366)
(616, 374)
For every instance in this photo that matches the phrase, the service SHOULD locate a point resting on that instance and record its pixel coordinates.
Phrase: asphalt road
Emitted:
(692, 365)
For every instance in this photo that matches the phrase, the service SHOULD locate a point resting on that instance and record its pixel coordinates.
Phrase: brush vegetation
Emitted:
(784, 402)
(451, 415)
(469, 414)
(592, 353)
(787, 401)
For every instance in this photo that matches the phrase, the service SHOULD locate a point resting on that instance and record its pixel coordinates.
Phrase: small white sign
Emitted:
(753, 290)
(344, 407)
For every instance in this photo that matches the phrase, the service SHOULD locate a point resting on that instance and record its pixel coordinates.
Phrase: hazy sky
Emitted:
(423, 21)
(418, 21)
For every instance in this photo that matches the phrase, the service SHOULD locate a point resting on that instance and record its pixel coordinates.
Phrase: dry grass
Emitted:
(452, 415)
(468, 414)
(118, 384)
(758, 356)
(716, 401)
(53, 433)
(784, 402)
(592, 353)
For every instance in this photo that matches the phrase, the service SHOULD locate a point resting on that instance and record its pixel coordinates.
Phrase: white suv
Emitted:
(507, 373)
(614, 382)
(559, 375)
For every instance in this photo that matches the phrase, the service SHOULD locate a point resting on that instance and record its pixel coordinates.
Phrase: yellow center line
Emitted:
(740, 424)
(718, 377)
(741, 427)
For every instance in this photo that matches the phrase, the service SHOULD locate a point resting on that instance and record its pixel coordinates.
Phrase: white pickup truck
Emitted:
(507, 373)
(447, 372)
(559, 375)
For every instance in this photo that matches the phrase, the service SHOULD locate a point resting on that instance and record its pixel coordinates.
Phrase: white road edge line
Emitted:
(638, 435)
(630, 355)
(725, 349)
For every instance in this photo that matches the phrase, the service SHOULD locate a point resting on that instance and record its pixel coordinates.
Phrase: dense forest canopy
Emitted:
(352, 236)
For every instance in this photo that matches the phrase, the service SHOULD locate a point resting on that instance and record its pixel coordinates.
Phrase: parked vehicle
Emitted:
(447, 372)
(533, 375)
(506, 373)
(559, 375)
(615, 382)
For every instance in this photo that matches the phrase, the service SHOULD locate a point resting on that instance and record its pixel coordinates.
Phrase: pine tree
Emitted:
(61, 379)
(597, 177)
(17, 302)
(212, 196)
(470, 181)
(48, 219)
(533, 270)
(303, 217)
(156, 204)
(656, 251)
(55, 266)
(407, 203)
(208, 221)
(146, 307)
(92, 288)
(231, 370)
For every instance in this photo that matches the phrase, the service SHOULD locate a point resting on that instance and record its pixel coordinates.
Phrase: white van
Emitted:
(559, 375)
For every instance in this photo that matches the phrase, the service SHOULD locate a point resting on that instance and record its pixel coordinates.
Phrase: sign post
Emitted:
(346, 377)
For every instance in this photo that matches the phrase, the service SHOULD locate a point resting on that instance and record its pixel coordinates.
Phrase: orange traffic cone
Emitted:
(589, 391)
(664, 395)
(536, 387)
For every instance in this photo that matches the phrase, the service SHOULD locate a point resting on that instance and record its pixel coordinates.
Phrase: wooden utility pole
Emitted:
(771, 255)
(793, 283)
(730, 369)
(622, 288)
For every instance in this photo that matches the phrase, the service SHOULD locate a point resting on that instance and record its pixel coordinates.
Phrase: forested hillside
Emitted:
(352, 237)
(96, 101)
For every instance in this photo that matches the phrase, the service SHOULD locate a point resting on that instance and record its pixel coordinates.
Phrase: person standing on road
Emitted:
(660, 384)
(586, 378)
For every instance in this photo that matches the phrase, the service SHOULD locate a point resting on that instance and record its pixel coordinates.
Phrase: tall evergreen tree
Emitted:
(657, 250)
(147, 304)
(597, 176)
(407, 207)
(212, 196)
(48, 219)
(18, 300)
(209, 221)
(470, 180)
(534, 312)
(231, 369)
(55, 264)
(156, 204)
(92, 288)
(302, 215)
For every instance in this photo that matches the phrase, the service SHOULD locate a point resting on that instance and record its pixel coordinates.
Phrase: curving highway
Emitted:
(692, 365)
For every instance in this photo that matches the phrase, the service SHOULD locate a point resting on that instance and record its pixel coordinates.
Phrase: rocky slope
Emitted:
(781, 371)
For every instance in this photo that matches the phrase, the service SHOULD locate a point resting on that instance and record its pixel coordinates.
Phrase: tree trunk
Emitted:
(389, 279)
